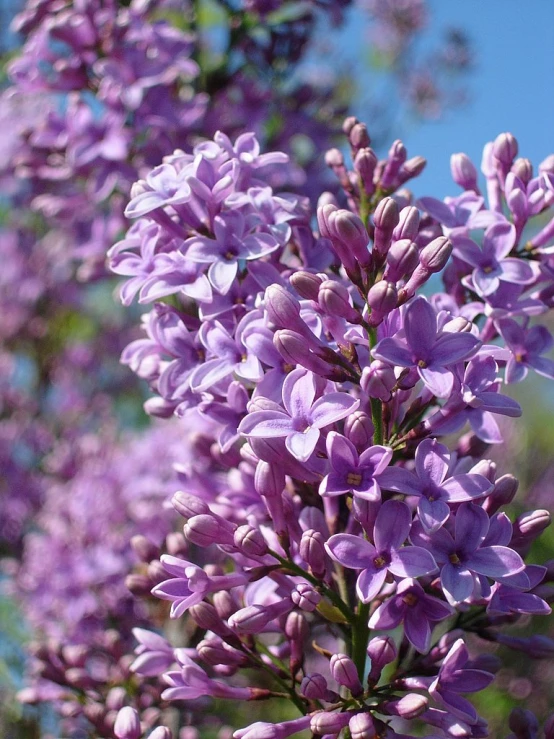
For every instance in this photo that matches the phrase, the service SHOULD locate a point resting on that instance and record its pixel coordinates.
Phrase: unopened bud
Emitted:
(344, 671)
(408, 224)
(435, 255)
(161, 732)
(378, 380)
(208, 529)
(328, 722)
(385, 218)
(396, 158)
(358, 136)
(305, 597)
(408, 707)
(523, 169)
(335, 300)
(188, 505)
(143, 548)
(365, 162)
(505, 149)
(402, 259)
(127, 724)
(250, 541)
(463, 171)
(381, 651)
(410, 169)
(312, 551)
(361, 726)
(358, 428)
(306, 284)
(314, 687)
(381, 299)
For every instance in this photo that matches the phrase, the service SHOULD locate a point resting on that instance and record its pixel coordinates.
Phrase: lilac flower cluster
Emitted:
(339, 548)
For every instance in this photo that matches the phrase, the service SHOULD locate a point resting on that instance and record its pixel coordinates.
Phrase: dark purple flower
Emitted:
(392, 527)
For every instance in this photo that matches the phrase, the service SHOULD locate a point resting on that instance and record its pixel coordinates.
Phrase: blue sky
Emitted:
(511, 87)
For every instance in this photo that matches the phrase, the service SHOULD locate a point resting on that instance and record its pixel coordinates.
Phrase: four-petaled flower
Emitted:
(301, 419)
(392, 527)
(430, 351)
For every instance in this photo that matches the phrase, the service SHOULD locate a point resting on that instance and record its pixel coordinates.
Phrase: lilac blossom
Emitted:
(392, 527)
(302, 418)
(429, 351)
(415, 609)
(462, 558)
(527, 347)
(431, 482)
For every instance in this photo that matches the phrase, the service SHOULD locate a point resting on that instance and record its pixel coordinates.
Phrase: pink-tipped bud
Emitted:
(385, 218)
(381, 299)
(464, 172)
(381, 651)
(344, 671)
(402, 259)
(358, 428)
(305, 597)
(410, 169)
(348, 228)
(334, 299)
(312, 551)
(306, 284)
(254, 619)
(127, 724)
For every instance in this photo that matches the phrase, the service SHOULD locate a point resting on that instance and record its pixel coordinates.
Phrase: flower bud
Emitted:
(523, 723)
(206, 617)
(396, 157)
(378, 380)
(306, 284)
(327, 722)
(385, 218)
(402, 259)
(160, 732)
(408, 707)
(143, 548)
(464, 172)
(349, 229)
(254, 619)
(381, 299)
(410, 169)
(312, 552)
(349, 123)
(344, 671)
(127, 724)
(188, 505)
(505, 149)
(358, 428)
(269, 479)
(115, 698)
(361, 726)
(358, 136)
(365, 162)
(408, 224)
(334, 158)
(381, 651)
(435, 255)
(334, 298)
(175, 543)
(528, 527)
(215, 652)
(250, 541)
(138, 585)
(523, 169)
(293, 348)
(208, 529)
(305, 597)
(283, 309)
(314, 687)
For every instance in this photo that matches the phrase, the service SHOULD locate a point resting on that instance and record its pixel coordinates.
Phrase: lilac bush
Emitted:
(350, 553)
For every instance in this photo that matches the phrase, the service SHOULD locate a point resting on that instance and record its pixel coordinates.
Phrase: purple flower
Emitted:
(491, 263)
(527, 348)
(353, 473)
(463, 556)
(430, 351)
(191, 584)
(415, 609)
(432, 484)
(392, 527)
(302, 419)
(234, 240)
(454, 678)
(192, 682)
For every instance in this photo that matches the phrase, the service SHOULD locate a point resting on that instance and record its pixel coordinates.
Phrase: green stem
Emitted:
(360, 638)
